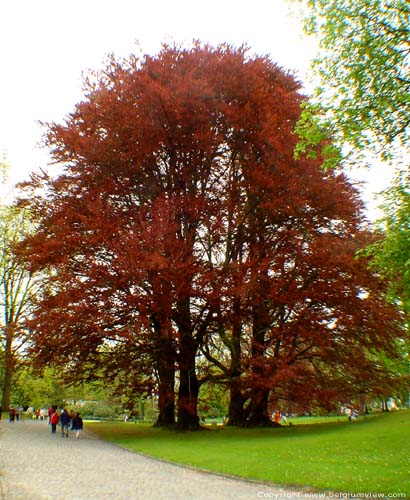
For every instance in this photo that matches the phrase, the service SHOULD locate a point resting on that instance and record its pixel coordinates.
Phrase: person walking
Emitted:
(19, 414)
(12, 414)
(77, 425)
(65, 422)
(54, 418)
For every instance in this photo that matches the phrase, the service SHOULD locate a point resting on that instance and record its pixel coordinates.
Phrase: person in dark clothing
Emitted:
(12, 414)
(77, 425)
(65, 422)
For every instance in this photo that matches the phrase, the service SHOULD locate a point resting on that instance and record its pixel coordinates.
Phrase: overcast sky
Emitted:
(46, 45)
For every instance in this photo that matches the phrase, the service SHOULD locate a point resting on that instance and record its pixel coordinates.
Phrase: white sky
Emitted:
(45, 45)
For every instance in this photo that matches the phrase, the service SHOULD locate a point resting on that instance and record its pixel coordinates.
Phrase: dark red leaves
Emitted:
(182, 216)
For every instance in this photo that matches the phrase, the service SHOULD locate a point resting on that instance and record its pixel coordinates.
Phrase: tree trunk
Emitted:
(165, 364)
(8, 370)
(5, 402)
(166, 387)
(259, 415)
(188, 386)
(188, 401)
(236, 416)
(188, 382)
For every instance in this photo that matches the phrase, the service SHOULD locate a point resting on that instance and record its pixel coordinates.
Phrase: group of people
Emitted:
(15, 413)
(53, 416)
(278, 417)
(65, 419)
(40, 414)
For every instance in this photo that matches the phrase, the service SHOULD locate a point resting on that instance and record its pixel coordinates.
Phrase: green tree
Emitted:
(38, 390)
(18, 287)
(363, 95)
(391, 254)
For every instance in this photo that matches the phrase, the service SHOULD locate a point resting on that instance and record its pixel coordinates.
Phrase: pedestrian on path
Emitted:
(65, 422)
(77, 425)
(54, 418)
(12, 414)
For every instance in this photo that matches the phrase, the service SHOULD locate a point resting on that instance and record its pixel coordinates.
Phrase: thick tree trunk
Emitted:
(187, 401)
(259, 415)
(188, 382)
(165, 363)
(236, 416)
(188, 386)
(166, 393)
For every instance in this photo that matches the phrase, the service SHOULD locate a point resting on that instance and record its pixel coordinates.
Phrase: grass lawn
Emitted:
(369, 455)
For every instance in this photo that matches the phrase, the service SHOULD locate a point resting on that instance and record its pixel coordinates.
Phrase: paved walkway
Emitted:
(36, 465)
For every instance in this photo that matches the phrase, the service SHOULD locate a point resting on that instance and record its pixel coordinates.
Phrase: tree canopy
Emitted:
(363, 70)
(185, 243)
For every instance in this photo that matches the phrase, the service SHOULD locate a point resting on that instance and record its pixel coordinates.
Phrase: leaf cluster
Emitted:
(363, 70)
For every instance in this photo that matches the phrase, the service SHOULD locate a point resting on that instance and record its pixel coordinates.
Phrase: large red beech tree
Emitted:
(181, 225)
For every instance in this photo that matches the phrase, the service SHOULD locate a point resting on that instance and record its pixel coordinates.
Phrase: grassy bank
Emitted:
(370, 455)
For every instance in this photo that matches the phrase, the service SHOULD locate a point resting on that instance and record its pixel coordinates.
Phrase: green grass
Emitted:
(370, 455)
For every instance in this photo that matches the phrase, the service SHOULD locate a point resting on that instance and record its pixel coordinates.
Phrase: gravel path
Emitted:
(36, 465)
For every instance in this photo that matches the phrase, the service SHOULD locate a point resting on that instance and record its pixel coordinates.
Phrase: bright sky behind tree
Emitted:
(46, 45)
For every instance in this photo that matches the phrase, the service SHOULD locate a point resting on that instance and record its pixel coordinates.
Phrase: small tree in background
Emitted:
(18, 291)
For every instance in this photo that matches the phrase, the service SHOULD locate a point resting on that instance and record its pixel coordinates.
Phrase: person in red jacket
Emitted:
(54, 418)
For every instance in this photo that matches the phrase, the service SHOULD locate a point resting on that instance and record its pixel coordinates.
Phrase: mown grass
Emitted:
(369, 455)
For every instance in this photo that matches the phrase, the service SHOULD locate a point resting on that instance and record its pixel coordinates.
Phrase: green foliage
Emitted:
(364, 456)
(314, 131)
(151, 414)
(97, 409)
(37, 390)
(19, 288)
(363, 68)
(17, 283)
(105, 411)
(51, 387)
(213, 400)
(390, 256)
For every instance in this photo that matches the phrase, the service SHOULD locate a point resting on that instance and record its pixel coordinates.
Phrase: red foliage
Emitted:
(182, 222)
